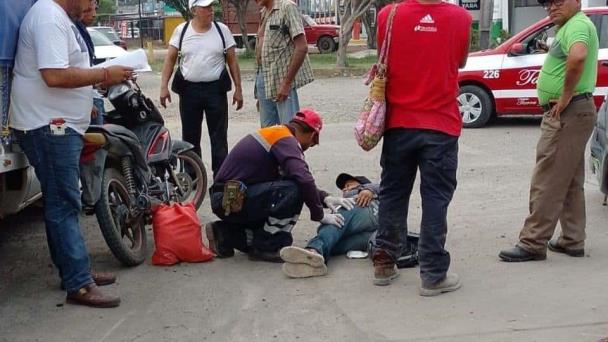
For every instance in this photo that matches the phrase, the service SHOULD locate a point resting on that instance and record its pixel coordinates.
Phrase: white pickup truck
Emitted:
(18, 184)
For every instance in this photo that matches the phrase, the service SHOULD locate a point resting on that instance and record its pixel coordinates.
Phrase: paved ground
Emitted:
(560, 299)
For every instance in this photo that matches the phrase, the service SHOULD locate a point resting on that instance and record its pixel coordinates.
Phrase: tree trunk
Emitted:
(352, 11)
(370, 29)
(241, 14)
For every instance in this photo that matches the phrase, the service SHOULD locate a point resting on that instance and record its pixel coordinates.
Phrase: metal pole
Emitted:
(141, 36)
(485, 23)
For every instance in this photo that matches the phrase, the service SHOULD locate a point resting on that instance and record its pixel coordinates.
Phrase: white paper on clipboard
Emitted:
(135, 59)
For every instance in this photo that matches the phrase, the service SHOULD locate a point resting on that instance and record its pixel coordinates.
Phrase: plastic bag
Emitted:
(177, 235)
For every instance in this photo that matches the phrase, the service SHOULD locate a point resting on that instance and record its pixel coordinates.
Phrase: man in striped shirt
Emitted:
(282, 61)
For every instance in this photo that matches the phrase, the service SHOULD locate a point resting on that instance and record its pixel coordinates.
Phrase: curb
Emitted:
(325, 73)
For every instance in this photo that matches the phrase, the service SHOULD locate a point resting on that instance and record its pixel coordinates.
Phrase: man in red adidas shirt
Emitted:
(430, 41)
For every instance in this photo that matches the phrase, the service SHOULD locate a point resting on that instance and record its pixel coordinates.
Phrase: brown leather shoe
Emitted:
(100, 279)
(385, 270)
(103, 278)
(90, 295)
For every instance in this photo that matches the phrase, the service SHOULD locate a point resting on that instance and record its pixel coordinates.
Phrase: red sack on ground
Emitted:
(177, 235)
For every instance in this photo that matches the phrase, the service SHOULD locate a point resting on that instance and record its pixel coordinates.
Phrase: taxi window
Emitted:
(539, 41)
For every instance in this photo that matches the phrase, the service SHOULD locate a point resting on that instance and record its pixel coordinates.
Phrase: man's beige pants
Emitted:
(556, 191)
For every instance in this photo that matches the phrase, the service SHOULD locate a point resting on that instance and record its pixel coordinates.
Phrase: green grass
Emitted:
(318, 61)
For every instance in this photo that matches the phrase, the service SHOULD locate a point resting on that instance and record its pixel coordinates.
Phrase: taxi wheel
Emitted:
(475, 105)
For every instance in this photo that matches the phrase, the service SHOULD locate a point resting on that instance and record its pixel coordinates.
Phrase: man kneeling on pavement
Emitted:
(360, 213)
(260, 189)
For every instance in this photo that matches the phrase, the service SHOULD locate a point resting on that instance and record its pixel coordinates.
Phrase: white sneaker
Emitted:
(297, 255)
(449, 284)
(303, 270)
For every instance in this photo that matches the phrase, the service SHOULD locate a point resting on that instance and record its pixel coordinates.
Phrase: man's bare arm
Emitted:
(301, 49)
(77, 77)
(575, 64)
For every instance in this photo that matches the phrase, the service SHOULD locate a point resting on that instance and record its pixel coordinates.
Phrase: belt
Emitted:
(583, 96)
(217, 187)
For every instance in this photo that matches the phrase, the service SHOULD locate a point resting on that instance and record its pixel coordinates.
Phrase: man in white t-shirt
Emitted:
(51, 105)
(206, 48)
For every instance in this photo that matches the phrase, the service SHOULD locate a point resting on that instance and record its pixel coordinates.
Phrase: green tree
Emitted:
(106, 7)
(181, 6)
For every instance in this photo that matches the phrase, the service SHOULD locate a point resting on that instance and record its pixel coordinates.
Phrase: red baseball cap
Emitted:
(310, 118)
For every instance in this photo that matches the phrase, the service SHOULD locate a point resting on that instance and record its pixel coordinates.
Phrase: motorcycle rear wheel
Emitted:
(127, 241)
(193, 183)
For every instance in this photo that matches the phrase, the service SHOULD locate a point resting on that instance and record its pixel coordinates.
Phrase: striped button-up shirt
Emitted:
(281, 25)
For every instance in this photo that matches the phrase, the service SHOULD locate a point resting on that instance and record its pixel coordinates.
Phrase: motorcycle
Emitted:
(599, 147)
(133, 166)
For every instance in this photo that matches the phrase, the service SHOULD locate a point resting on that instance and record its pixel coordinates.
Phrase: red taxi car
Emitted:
(502, 81)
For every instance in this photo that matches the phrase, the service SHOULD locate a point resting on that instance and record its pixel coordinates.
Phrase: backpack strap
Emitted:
(181, 39)
(217, 27)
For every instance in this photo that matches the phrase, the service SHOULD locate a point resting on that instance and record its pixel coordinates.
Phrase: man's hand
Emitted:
(237, 98)
(559, 106)
(164, 96)
(116, 74)
(333, 219)
(94, 113)
(364, 198)
(334, 202)
(283, 93)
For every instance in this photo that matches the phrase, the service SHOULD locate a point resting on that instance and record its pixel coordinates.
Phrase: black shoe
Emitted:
(518, 254)
(216, 241)
(257, 255)
(577, 253)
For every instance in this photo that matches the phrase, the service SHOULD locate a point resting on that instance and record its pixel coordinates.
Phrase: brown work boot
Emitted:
(385, 269)
(90, 295)
(103, 278)
(100, 279)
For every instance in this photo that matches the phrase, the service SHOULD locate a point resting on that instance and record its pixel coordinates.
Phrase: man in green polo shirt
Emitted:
(565, 91)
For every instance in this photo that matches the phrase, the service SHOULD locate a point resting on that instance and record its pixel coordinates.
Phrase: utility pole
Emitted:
(485, 22)
(141, 31)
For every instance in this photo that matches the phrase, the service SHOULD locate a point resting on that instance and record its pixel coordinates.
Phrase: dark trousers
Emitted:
(270, 211)
(205, 99)
(436, 155)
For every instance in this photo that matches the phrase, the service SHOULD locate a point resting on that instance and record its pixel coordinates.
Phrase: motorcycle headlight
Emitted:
(117, 91)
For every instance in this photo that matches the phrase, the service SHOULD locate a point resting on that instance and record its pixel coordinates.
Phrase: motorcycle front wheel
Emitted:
(124, 234)
(192, 178)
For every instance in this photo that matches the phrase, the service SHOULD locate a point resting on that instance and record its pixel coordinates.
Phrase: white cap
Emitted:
(201, 3)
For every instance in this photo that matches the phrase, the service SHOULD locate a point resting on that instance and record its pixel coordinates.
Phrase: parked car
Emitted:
(111, 34)
(502, 81)
(104, 48)
(132, 32)
(324, 36)
(599, 146)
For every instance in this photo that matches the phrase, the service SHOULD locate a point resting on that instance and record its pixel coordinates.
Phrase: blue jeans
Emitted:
(359, 224)
(98, 104)
(56, 160)
(436, 155)
(275, 113)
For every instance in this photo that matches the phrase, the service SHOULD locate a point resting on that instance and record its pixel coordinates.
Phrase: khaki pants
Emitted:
(556, 190)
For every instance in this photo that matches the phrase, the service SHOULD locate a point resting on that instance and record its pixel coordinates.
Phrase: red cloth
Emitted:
(177, 235)
(428, 44)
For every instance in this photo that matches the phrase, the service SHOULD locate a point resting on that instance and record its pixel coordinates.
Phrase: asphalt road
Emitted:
(560, 299)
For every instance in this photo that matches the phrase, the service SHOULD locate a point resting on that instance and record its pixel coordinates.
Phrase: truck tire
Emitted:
(475, 105)
(326, 44)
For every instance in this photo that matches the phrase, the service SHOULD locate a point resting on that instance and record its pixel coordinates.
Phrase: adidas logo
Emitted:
(427, 19)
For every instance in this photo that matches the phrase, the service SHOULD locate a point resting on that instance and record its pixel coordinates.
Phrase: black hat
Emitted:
(344, 177)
